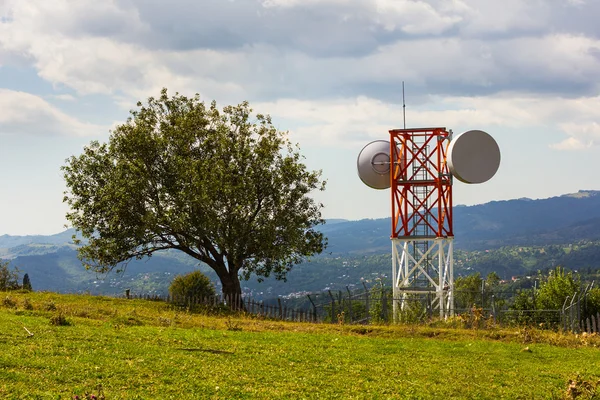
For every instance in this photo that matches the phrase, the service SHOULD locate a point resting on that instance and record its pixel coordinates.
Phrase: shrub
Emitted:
(59, 320)
(91, 396)
(579, 388)
(192, 285)
(27, 304)
(8, 302)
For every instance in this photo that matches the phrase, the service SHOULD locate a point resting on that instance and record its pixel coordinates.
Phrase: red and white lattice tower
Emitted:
(422, 238)
(419, 166)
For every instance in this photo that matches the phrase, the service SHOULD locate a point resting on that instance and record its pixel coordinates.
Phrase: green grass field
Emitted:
(138, 349)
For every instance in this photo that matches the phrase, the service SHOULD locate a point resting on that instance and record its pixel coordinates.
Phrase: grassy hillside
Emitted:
(134, 349)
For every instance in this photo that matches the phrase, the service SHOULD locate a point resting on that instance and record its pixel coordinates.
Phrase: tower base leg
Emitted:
(423, 277)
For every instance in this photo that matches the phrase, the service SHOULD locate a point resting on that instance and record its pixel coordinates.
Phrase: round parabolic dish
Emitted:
(473, 157)
(373, 164)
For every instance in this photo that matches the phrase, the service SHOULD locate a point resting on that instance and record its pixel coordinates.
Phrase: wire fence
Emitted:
(376, 305)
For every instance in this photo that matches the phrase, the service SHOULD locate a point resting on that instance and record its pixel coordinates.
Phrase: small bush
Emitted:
(91, 396)
(129, 320)
(8, 302)
(194, 285)
(81, 313)
(27, 304)
(50, 306)
(579, 388)
(527, 334)
(233, 325)
(475, 319)
(59, 320)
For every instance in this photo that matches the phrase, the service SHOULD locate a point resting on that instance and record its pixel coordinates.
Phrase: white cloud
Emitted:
(581, 136)
(571, 144)
(351, 122)
(63, 97)
(297, 3)
(416, 17)
(103, 47)
(528, 71)
(26, 114)
(485, 63)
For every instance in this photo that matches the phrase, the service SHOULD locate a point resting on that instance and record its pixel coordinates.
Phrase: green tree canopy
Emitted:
(225, 187)
(592, 306)
(555, 288)
(9, 279)
(467, 291)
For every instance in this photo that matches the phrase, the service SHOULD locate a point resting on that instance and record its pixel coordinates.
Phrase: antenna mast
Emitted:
(403, 106)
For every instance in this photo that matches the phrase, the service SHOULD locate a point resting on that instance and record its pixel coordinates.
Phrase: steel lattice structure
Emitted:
(422, 236)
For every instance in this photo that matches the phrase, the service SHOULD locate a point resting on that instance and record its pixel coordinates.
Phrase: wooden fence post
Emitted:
(384, 307)
(571, 316)
(332, 307)
(280, 308)
(368, 316)
(314, 315)
(579, 314)
(350, 305)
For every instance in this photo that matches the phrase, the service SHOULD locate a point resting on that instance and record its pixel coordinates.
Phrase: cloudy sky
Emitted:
(328, 71)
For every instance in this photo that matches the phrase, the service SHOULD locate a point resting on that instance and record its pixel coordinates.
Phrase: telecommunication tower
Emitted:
(419, 166)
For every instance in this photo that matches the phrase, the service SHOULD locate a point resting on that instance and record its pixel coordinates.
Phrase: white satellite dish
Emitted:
(373, 164)
(473, 157)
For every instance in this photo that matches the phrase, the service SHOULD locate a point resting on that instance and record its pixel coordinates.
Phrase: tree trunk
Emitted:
(232, 290)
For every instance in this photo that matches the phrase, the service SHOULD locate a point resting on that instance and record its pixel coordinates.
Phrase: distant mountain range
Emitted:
(357, 249)
(498, 223)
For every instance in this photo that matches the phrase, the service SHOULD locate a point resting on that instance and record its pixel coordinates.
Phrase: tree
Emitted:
(26, 282)
(592, 305)
(524, 300)
(556, 288)
(467, 291)
(492, 281)
(9, 279)
(192, 284)
(524, 304)
(223, 187)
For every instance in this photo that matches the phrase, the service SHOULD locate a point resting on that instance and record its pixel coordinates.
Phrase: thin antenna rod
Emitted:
(403, 106)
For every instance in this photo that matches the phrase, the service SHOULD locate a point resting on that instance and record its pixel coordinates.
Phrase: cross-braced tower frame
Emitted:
(422, 237)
